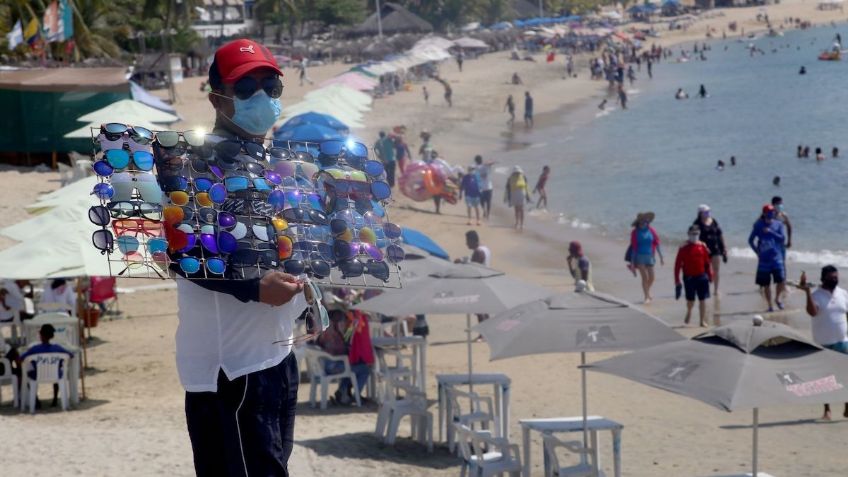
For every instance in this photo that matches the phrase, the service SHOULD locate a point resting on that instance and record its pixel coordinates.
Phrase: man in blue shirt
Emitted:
(46, 333)
(384, 148)
(767, 240)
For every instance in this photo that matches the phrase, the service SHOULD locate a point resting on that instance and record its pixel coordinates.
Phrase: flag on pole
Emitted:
(16, 36)
(32, 33)
(52, 24)
(66, 13)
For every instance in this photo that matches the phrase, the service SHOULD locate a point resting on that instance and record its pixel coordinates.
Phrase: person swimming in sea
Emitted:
(702, 92)
(720, 165)
(802, 71)
(800, 152)
(776, 181)
(834, 153)
(681, 94)
(819, 155)
(732, 161)
(603, 105)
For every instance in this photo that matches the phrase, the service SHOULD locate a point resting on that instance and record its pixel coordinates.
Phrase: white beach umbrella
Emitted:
(128, 111)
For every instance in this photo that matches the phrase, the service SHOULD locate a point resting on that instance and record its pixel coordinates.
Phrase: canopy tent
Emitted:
(143, 96)
(77, 191)
(41, 105)
(308, 133)
(433, 41)
(351, 117)
(320, 119)
(470, 43)
(420, 240)
(393, 19)
(130, 112)
(353, 80)
(381, 68)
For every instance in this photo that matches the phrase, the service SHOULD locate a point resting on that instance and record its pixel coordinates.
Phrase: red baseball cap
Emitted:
(239, 57)
(768, 208)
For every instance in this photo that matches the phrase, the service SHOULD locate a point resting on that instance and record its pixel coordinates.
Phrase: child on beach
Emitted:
(470, 187)
(540, 188)
(426, 96)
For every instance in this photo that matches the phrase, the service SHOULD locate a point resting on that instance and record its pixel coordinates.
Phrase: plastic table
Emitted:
(500, 384)
(61, 323)
(573, 424)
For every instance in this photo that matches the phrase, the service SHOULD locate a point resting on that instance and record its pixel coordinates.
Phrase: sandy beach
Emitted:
(133, 424)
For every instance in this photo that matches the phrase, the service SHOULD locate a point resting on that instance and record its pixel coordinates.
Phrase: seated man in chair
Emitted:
(46, 333)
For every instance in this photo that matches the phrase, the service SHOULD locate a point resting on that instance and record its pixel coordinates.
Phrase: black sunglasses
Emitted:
(114, 131)
(316, 267)
(307, 216)
(247, 87)
(231, 148)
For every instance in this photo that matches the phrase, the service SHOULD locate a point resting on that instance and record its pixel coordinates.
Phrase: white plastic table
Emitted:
(500, 384)
(419, 354)
(65, 325)
(573, 424)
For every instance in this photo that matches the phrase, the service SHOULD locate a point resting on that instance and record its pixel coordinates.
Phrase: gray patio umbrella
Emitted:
(571, 323)
(458, 289)
(739, 366)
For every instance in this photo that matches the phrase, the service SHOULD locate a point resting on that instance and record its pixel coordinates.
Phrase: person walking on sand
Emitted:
(766, 240)
(470, 188)
(426, 95)
(540, 188)
(302, 74)
(528, 110)
(644, 247)
(517, 194)
(622, 96)
(711, 235)
(384, 148)
(484, 175)
(479, 254)
(578, 265)
(509, 107)
(827, 307)
(693, 260)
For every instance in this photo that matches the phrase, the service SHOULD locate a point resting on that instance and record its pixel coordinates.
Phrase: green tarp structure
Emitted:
(40, 105)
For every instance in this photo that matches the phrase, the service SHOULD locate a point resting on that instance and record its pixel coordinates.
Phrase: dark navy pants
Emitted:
(247, 427)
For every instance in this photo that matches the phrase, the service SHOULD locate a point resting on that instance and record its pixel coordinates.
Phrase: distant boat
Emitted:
(834, 55)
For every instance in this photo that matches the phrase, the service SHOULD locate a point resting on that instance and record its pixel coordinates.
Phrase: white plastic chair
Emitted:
(477, 410)
(585, 468)
(485, 455)
(8, 378)
(14, 325)
(413, 403)
(402, 370)
(315, 359)
(47, 366)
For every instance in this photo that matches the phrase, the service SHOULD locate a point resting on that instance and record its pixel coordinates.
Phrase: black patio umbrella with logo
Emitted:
(739, 366)
(570, 323)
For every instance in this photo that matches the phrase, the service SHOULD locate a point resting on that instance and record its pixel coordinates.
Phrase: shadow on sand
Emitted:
(364, 445)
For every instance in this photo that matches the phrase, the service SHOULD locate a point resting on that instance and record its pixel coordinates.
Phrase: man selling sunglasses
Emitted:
(241, 387)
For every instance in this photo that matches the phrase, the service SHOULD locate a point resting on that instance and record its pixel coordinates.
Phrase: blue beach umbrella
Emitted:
(308, 133)
(315, 118)
(422, 241)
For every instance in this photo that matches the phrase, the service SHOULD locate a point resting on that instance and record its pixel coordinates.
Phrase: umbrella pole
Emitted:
(756, 426)
(585, 411)
(468, 339)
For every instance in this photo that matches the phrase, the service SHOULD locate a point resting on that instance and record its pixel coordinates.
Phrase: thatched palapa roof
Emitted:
(395, 19)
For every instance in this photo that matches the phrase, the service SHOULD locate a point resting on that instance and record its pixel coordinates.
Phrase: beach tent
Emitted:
(130, 112)
(740, 366)
(433, 41)
(350, 116)
(41, 105)
(353, 80)
(350, 97)
(315, 118)
(143, 96)
(470, 43)
(421, 241)
(308, 133)
(394, 18)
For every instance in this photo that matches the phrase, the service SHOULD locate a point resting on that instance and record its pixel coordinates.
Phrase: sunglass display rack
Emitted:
(206, 207)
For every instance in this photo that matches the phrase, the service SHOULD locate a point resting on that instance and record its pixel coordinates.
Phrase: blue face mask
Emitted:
(257, 113)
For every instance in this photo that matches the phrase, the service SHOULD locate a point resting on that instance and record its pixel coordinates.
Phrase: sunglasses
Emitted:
(314, 249)
(103, 191)
(150, 228)
(170, 139)
(308, 216)
(121, 158)
(213, 265)
(247, 86)
(296, 169)
(231, 148)
(315, 267)
(281, 153)
(345, 148)
(174, 183)
(203, 166)
(252, 257)
(259, 170)
(114, 132)
(259, 229)
(237, 183)
(99, 215)
(127, 209)
(181, 198)
(103, 240)
(125, 183)
(354, 268)
(120, 143)
(395, 254)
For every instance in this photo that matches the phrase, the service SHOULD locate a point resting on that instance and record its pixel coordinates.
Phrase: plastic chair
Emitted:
(14, 325)
(485, 455)
(103, 292)
(478, 410)
(47, 368)
(8, 378)
(413, 403)
(315, 359)
(403, 369)
(586, 468)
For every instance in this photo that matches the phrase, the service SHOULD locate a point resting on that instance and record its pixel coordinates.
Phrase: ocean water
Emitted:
(661, 153)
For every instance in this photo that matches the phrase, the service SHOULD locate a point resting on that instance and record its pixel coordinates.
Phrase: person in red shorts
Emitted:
(693, 260)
